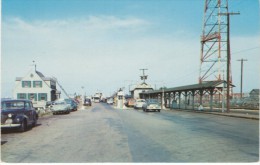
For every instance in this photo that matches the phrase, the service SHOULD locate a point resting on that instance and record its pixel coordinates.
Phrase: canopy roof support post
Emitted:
(185, 103)
(193, 95)
(179, 100)
(211, 99)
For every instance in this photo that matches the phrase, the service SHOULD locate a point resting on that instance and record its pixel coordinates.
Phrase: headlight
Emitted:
(9, 115)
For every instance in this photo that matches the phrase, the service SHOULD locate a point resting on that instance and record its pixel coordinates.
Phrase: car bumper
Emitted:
(60, 111)
(138, 107)
(10, 125)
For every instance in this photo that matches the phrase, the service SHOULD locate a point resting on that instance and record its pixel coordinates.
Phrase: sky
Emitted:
(101, 45)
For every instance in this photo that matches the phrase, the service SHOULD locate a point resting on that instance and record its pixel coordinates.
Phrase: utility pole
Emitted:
(144, 77)
(228, 56)
(241, 81)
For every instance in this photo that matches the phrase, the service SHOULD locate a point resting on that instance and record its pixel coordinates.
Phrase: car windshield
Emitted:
(59, 102)
(68, 101)
(12, 105)
(152, 101)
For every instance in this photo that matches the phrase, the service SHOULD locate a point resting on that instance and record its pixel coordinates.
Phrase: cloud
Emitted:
(100, 52)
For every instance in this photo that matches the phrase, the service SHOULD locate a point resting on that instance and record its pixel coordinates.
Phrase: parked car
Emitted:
(110, 101)
(18, 114)
(48, 104)
(72, 103)
(87, 102)
(139, 103)
(60, 106)
(151, 105)
(130, 102)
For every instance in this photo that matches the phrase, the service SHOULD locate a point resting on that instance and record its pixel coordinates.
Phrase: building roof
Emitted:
(209, 84)
(254, 90)
(142, 86)
(40, 74)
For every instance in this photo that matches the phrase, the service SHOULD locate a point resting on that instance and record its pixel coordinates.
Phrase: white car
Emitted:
(151, 105)
(139, 103)
(60, 106)
(110, 101)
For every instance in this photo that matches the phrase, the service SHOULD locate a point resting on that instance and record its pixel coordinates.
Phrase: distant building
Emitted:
(254, 94)
(139, 88)
(36, 87)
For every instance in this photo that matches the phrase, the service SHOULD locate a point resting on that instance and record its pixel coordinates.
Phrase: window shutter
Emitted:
(35, 96)
(42, 95)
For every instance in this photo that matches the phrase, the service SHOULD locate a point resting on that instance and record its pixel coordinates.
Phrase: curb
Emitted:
(256, 117)
(238, 116)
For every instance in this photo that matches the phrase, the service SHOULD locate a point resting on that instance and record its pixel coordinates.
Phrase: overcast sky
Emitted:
(102, 44)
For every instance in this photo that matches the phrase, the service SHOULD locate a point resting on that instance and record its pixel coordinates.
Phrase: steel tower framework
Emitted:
(214, 41)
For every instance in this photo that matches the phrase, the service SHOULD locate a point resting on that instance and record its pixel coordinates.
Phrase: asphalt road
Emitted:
(104, 134)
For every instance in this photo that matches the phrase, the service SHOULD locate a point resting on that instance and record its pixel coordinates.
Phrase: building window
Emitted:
(21, 96)
(37, 84)
(26, 84)
(32, 96)
(42, 96)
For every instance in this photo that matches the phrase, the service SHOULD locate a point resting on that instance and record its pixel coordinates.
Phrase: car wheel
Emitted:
(34, 122)
(159, 110)
(23, 126)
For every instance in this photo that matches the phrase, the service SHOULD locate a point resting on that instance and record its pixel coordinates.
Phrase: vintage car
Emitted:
(72, 103)
(87, 102)
(139, 103)
(60, 106)
(151, 104)
(110, 101)
(130, 102)
(18, 114)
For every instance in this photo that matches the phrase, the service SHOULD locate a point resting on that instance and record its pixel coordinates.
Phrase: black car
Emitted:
(87, 102)
(18, 114)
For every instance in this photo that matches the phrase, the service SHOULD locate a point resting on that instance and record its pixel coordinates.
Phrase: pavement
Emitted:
(239, 113)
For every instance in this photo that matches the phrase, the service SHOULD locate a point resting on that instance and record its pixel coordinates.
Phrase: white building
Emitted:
(36, 87)
(139, 88)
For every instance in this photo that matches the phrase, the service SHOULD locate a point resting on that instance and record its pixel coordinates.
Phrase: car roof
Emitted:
(149, 100)
(14, 100)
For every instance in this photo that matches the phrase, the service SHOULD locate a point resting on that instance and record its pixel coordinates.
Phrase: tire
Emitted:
(23, 126)
(159, 110)
(34, 121)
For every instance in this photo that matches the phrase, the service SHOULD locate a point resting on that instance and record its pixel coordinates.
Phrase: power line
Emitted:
(245, 50)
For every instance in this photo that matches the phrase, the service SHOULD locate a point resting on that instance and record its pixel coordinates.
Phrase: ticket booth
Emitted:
(120, 99)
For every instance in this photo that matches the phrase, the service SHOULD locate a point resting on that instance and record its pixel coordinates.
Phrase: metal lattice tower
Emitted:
(213, 58)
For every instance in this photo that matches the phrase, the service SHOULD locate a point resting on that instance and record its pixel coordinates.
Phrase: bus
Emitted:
(97, 97)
